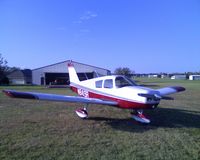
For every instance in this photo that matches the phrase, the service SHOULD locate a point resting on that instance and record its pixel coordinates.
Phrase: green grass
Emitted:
(50, 130)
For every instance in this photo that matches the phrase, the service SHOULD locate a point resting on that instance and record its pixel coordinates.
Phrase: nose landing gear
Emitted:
(139, 117)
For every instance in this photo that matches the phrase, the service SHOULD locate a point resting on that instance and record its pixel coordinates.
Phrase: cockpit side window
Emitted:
(123, 82)
(98, 84)
(108, 83)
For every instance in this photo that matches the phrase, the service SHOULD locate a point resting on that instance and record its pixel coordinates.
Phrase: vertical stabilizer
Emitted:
(73, 77)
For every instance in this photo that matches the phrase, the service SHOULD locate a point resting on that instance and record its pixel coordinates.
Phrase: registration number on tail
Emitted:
(83, 92)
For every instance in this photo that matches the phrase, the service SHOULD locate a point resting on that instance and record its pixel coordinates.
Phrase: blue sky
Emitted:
(144, 35)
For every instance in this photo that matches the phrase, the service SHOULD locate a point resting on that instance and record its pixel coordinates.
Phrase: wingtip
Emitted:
(7, 93)
(178, 88)
(15, 94)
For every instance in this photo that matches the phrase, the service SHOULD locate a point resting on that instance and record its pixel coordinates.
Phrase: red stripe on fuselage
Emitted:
(125, 104)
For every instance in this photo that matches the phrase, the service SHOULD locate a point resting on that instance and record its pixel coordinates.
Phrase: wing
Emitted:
(170, 90)
(55, 97)
(162, 92)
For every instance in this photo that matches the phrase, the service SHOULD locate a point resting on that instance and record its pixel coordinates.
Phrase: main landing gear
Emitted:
(82, 112)
(139, 116)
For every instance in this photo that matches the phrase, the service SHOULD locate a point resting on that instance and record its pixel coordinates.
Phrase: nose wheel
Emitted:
(82, 112)
(139, 117)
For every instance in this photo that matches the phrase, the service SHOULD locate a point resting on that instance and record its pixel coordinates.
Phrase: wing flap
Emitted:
(55, 97)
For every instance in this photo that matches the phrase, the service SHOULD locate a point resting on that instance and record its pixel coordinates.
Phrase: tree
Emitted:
(3, 69)
(11, 69)
(123, 71)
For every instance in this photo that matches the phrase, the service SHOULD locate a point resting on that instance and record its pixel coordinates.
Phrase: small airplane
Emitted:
(114, 90)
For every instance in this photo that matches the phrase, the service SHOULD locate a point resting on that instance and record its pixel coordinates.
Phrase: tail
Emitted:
(73, 77)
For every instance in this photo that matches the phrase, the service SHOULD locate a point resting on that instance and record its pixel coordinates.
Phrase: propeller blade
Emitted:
(147, 95)
(155, 96)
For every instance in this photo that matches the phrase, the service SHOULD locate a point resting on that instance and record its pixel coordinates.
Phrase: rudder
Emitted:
(73, 77)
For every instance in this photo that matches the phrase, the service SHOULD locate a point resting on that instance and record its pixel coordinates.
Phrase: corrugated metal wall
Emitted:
(37, 74)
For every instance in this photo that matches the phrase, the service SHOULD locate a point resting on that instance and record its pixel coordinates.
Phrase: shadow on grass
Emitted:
(149, 85)
(160, 118)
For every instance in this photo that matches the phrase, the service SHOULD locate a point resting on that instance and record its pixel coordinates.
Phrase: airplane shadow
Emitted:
(149, 85)
(160, 118)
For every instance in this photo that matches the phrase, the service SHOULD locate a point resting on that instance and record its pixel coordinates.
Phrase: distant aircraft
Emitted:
(114, 90)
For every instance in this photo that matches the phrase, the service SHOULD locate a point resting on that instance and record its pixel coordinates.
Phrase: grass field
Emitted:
(50, 130)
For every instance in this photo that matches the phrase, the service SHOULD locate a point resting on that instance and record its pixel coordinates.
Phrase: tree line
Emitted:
(5, 70)
(124, 71)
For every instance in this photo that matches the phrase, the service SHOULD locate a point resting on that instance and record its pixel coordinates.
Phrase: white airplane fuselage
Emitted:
(127, 97)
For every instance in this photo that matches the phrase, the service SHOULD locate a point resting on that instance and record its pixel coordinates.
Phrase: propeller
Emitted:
(155, 96)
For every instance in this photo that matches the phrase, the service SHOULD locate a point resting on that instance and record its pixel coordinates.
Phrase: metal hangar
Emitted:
(57, 74)
(20, 77)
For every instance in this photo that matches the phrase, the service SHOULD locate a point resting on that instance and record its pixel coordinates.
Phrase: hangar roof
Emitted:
(68, 62)
(17, 73)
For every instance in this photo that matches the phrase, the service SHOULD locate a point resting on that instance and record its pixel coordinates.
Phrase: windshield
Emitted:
(123, 82)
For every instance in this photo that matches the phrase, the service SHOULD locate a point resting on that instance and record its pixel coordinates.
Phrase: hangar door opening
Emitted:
(56, 78)
(63, 78)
